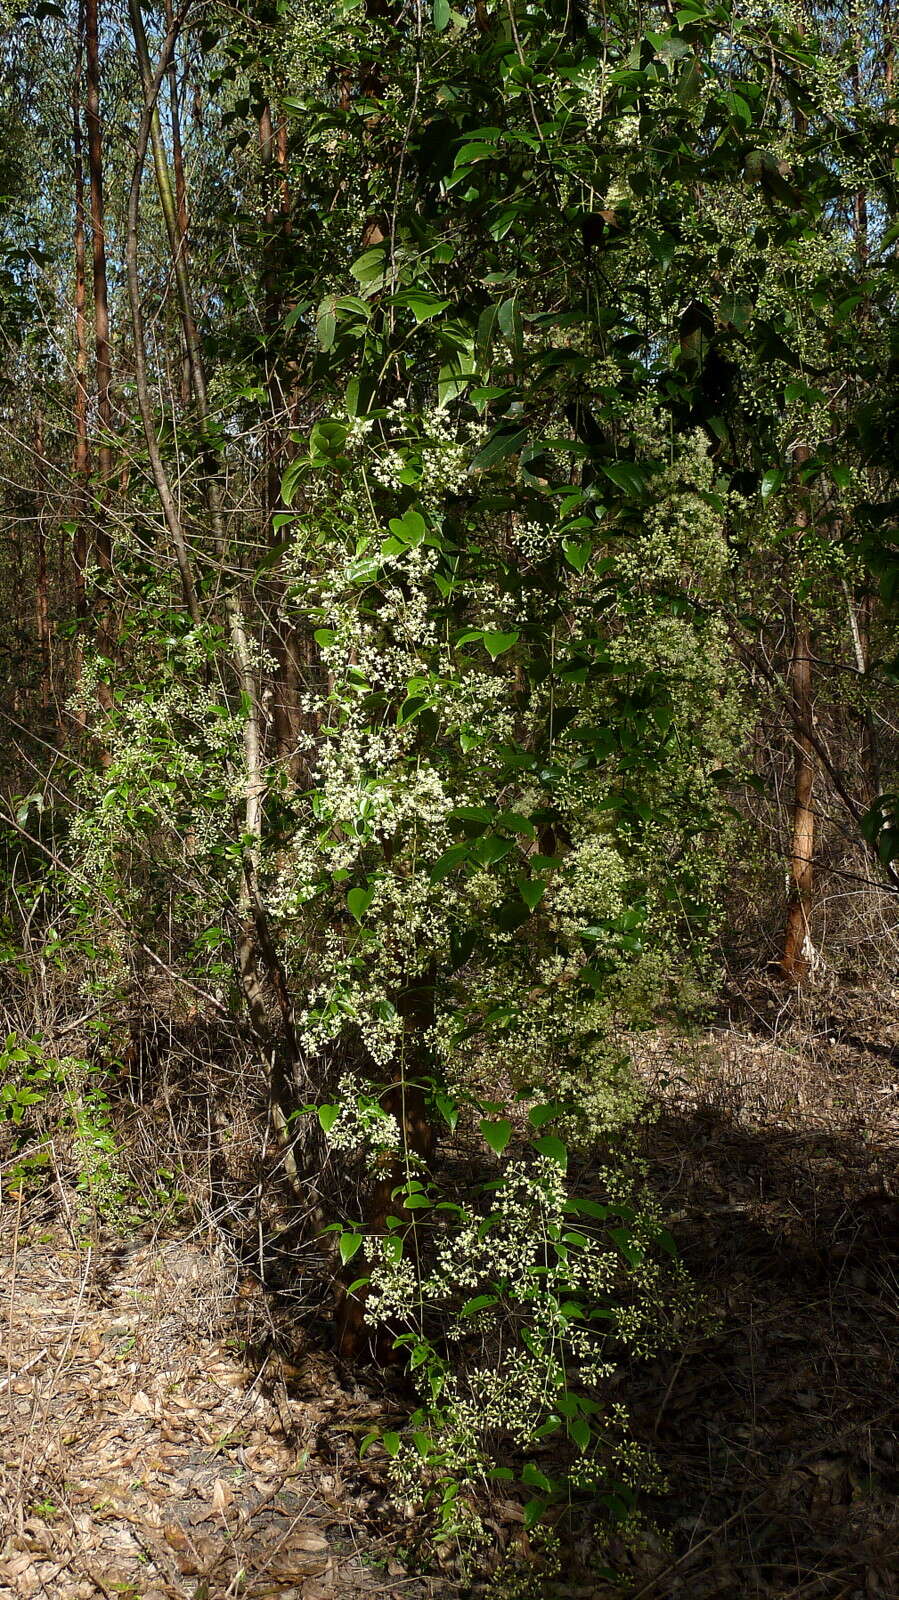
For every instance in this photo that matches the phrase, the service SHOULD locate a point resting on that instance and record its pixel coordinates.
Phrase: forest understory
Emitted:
(449, 799)
(171, 1428)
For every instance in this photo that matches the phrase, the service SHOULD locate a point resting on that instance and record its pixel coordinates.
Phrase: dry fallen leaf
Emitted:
(222, 1495)
(320, 1588)
(305, 1540)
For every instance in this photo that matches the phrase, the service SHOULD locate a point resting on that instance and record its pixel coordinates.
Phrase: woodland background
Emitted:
(449, 798)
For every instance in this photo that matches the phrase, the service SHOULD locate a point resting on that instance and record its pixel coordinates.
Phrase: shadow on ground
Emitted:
(779, 1429)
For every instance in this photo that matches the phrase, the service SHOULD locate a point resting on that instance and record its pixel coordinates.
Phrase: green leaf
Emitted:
(358, 901)
(552, 1147)
(736, 310)
(441, 15)
(410, 527)
(359, 395)
(454, 376)
(531, 890)
(624, 1240)
(481, 1302)
(326, 322)
(531, 1474)
(391, 1443)
(450, 858)
(689, 82)
(291, 479)
(476, 150)
(626, 476)
(504, 442)
(588, 1208)
(422, 304)
(577, 553)
(533, 1511)
(497, 1134)
(486, 852)
(483, 343)
(349, 1244)
(497, 644)
(370, 266)
(579, 1429)
(448, 1110)
(509, 318)
(771, 482)
(327, 1116)
(539, 1115)
(411, 708)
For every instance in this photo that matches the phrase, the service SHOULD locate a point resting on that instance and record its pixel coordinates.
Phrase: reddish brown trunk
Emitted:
(42, 595)
(81, 462)
(102, 539)
(281, 150)
(98, 249)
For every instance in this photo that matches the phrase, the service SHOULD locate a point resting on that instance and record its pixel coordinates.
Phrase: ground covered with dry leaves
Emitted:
(141, 1458)
(145, 1455)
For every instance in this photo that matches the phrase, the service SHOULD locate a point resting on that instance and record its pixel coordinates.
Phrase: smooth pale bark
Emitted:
(798, 950)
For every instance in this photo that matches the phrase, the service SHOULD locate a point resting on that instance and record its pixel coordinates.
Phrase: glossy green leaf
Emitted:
(531, 890)
(496, 644)
(358, 901)
(553, 1148)
(497, 1134)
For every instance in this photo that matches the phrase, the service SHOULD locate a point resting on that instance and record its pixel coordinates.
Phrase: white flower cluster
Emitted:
(362, 1123)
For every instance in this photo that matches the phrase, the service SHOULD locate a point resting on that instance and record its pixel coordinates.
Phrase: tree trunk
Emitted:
(81, 459)
(98, 250)
(157, 467)
(798, 951)
(286, 718)
(102, 538)
(180, 183)
(42, 595)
